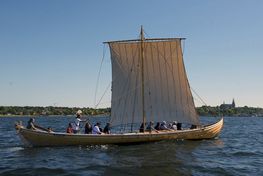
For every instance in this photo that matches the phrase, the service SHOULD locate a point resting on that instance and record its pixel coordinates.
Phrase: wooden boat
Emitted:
(44, 138)
(149, 83)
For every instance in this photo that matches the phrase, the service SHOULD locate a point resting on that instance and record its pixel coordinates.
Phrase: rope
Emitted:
(198, 96)
(107, 88)
(206, 106)
(97, 83)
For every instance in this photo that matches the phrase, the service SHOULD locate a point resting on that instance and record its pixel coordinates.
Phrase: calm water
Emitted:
(237, 151)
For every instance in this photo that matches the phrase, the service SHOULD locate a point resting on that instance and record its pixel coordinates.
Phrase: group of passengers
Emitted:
(89, 129)
(74, 127)
(96, 129)
(161, 126)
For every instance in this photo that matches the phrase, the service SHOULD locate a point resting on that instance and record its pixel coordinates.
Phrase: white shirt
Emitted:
(77, 123)
(96, 130)
(174, 127)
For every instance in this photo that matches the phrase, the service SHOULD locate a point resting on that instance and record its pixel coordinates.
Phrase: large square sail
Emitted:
(167, 94)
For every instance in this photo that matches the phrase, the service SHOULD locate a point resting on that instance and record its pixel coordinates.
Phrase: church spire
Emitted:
(233, 103)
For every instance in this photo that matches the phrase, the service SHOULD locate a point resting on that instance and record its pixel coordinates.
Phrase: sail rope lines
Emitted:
(125, 94)
(128, 92)
(198, 96)
(151, 118)
(185, 104)
(105, 91)
(159, 65)
(98, 78)
(126, 86)
(190, 110)
(181, 77)
(122, 94)
(163, 56)
(201, 100)
(182, 48)
(189, 89)
(96, 104)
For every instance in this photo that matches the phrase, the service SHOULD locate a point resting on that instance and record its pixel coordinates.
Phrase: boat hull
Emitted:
(42, 138)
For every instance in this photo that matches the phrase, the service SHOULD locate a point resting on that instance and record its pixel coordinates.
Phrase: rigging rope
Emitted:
(206, 106)
(99, 102)
(98, 77)
(198, 96)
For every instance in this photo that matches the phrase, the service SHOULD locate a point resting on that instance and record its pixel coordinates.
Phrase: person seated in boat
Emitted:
(76, 126)
(96, 129)
(100, 129)
(69, 129)
(30, 124)
(158, 126)
(88, 128)
(106, 129)
(179, 126)
(174, 125)
(170, 125)
(193, 127)
(150, 127)
(164, 126)
(141, 130)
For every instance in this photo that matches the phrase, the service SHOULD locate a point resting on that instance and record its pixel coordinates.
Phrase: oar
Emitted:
(41, 128)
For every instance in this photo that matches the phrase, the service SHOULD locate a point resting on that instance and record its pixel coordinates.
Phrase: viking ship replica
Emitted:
(149, 84)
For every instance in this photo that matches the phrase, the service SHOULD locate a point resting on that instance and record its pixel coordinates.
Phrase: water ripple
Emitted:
(237, 151)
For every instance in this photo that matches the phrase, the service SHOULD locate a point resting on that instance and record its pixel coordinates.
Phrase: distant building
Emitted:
(228, 106)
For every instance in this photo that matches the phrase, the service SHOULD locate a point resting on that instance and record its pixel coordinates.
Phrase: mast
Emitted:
(142, 76)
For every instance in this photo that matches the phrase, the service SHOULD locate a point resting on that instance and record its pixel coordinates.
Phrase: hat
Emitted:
(79, 112)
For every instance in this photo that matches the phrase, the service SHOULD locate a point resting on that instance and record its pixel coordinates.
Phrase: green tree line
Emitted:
(49, 110)
(236, 112)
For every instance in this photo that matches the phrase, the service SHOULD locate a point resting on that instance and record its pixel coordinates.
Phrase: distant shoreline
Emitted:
(51, 116)
(230, 111)
(51, 111)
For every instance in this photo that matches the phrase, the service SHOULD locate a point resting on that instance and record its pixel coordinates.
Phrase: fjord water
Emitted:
(237, 151)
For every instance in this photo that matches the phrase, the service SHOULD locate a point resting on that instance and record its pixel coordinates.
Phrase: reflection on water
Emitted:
(234, 152)
(155, 158)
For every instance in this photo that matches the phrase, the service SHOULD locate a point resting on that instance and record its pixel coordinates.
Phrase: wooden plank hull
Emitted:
(42, 138)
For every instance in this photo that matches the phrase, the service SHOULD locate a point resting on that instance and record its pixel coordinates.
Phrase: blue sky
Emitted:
(51, 50)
